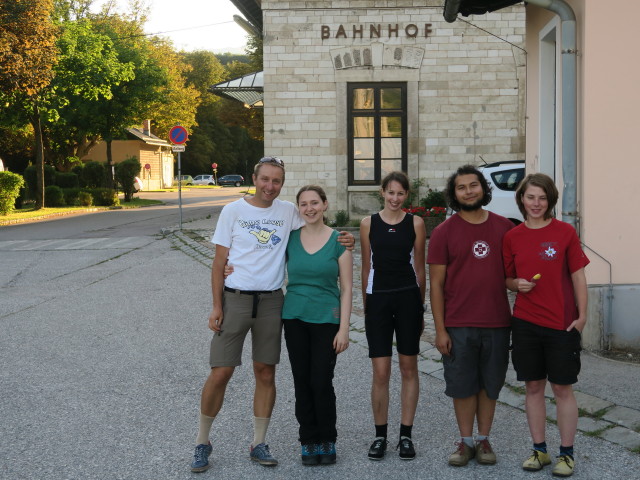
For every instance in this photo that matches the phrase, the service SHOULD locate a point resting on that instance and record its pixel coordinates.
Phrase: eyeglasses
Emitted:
(275, 160)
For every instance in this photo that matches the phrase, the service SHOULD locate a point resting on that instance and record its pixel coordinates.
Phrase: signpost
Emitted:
(178, 135)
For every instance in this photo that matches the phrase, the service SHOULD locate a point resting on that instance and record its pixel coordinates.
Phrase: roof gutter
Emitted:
(569, 106)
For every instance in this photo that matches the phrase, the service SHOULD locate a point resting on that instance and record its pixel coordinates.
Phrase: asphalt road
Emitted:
(104, 348)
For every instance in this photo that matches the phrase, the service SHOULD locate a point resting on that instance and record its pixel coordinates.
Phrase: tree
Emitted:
(177, 99)
(126, 172)
(27, 58)
(87, 73)
(132, 99)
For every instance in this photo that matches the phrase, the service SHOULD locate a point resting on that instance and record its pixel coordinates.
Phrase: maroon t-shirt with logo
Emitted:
(475, 294)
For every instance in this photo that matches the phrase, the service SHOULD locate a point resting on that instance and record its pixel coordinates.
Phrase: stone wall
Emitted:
(465, 87)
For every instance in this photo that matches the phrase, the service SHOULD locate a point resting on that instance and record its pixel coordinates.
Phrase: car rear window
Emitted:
(508, 179)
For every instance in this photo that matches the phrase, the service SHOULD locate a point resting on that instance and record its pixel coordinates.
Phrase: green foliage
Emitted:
(93, 175)
(434, 198)
(126, 172)
(103, 197)
(10, 184)
(66, 180)
(85, 199)
(414, 192)
(342, 219)
(77, 197)
(53, 196)
(226, 58)
(30, 177)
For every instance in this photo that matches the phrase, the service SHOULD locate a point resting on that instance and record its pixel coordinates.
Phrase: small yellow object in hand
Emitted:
(537, 276)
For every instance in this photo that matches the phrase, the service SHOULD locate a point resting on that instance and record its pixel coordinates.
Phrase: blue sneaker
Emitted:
(309, 454)
(261, 454)
(327, 453)
(201, 458)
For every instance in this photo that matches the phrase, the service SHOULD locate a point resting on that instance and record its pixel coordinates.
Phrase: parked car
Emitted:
(184, 180)
(504, 178)
(236, 180)
(204, 180)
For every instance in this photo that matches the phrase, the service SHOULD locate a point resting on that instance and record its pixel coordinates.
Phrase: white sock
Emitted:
(479, 437)
(204, 429)
(468, 441)
(260, 426)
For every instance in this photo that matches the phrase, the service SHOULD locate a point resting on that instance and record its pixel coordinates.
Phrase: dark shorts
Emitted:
(545, 353)
(478, 361)
(266, 329)
(400, 312)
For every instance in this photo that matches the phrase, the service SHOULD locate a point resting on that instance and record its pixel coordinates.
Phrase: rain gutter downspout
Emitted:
(569, 107)
(569, 133)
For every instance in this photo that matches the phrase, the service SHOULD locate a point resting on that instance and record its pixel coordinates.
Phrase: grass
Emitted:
(600, 431)
(30, 213)
(517, 389)
(596, 415)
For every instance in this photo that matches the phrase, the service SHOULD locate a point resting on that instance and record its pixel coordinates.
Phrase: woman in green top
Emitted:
(316, 323)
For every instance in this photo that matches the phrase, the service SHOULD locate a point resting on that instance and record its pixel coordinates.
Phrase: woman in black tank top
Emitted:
(393, 290)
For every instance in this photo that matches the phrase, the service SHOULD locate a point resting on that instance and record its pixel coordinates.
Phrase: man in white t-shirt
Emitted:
(252, 235)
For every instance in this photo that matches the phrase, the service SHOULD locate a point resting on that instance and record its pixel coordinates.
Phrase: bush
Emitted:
(434, 198)
(93, 175)
(126, 172)
(66, 180)
(103, 197)
(53, 196)
(10, 184)
(85, 199)
(70, 196)
(342, 219)
(31, 178)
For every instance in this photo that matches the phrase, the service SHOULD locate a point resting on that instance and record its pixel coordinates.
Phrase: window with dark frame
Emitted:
(377, 131)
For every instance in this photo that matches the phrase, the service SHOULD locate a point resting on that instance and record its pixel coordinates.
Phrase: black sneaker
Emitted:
(378, 448)
(407, 452)
(327, 453)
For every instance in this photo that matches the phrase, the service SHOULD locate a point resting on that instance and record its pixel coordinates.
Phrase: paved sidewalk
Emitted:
(606, 390)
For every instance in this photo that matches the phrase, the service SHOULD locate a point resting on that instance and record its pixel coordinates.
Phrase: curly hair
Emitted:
(450, 190)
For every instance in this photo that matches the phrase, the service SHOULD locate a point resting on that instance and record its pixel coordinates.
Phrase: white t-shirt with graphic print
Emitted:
(257, 240)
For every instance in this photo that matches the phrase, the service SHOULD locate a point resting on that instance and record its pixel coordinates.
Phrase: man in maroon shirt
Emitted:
(470, 310)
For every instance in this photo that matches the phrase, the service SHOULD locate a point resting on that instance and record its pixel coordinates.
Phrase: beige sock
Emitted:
(260, 426)
(204, 429)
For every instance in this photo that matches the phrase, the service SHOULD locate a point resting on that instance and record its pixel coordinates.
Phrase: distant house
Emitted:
(154, 155)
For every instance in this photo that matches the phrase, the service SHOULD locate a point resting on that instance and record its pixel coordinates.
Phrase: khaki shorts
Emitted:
(266, 329)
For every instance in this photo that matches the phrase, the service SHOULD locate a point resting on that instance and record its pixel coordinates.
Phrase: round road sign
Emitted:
(178, 135)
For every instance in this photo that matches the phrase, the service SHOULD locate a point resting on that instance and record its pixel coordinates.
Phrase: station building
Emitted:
(356, 89)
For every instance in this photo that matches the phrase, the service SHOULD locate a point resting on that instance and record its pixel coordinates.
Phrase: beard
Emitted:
(471, 207)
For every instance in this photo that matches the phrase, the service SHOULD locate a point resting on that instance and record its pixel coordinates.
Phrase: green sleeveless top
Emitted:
(313, 294)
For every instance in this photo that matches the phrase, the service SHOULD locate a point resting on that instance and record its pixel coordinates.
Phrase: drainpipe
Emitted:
(569, 106)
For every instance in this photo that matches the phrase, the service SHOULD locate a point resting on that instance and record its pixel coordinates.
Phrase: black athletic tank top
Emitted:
(391, 255)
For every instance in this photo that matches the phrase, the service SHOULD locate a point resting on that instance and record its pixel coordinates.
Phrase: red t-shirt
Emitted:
(554, 252)
(474, 289)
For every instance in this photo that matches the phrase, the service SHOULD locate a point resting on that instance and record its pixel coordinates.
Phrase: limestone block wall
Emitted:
(465, 86)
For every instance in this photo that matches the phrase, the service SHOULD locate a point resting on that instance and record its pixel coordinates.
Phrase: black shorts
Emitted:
(400, 312)
(478, 361)
(545, 353)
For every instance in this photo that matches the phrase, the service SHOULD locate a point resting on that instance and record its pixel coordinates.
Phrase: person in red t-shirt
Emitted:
(470, 310)
(544, 264)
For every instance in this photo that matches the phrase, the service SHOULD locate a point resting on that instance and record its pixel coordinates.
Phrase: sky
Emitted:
(194, 24)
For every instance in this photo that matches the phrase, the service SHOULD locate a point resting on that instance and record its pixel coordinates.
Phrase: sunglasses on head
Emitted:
(275, 160)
